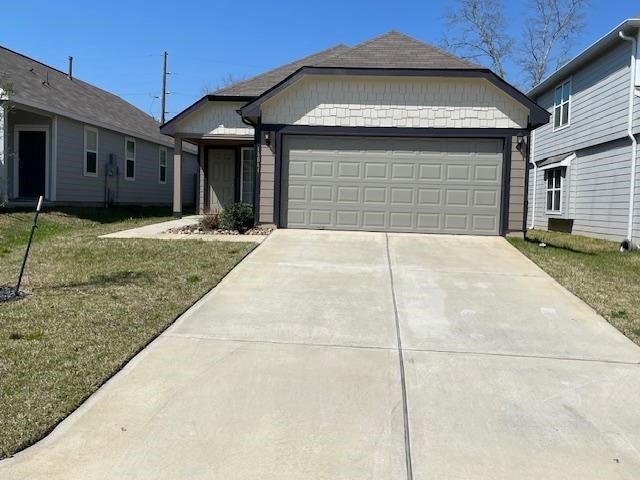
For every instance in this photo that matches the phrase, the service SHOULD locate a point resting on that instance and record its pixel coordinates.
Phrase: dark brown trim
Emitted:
(527, 167)
(395, 131)
(537, 115)
(257, 145)
(506, 186)
(504, 134)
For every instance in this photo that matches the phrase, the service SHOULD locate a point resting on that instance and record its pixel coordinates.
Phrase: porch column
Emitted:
(177, 177)
(4, 160)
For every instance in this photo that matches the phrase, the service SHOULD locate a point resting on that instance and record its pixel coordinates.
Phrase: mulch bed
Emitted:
(200, 230)
(8, 293)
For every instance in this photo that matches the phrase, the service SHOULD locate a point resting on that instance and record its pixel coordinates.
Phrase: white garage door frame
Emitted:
(282, 132)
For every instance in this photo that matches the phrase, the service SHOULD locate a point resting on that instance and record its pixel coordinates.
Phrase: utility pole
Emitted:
(163, 97)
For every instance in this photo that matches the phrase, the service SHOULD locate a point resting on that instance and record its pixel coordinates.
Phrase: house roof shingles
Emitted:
(396, 50)
(391, 50)
(257, 85)
(51, 88)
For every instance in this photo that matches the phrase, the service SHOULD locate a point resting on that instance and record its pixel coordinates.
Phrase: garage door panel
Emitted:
(404, 185)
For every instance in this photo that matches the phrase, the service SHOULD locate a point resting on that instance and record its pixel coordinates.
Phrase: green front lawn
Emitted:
(95, 304)
(595, 271)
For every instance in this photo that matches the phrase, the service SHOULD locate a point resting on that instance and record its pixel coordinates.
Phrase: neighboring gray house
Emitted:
(390, 135)
(584, 178)
(77, 144)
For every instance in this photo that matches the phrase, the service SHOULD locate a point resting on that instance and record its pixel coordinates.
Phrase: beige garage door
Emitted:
(396, 185)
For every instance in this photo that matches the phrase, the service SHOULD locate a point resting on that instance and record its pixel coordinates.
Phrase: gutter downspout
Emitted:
(634, 143)
(532, 152)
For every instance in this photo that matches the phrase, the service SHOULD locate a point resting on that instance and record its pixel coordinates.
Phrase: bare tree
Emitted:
(225, 81)
(477, 32)
(551, 27)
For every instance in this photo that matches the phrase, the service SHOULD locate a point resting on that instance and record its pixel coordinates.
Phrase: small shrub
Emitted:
(210, 221)
(238, 216)
(193, 279)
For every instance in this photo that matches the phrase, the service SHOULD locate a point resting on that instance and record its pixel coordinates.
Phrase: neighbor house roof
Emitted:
(40, 86)
(394, 50)
(588, 54)
(255, 86)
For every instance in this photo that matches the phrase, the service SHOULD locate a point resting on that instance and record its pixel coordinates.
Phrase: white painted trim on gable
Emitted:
(563, 163)
(16, 163)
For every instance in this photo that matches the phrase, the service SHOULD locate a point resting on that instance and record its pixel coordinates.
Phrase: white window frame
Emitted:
(126, 158)
(553, 189)
(86, 150)
(242, 150)
(166, 165)
(563, 104)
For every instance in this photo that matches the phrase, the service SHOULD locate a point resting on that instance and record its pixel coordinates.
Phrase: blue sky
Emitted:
(117, 45)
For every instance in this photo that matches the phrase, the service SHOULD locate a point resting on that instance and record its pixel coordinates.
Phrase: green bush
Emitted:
(238, 216)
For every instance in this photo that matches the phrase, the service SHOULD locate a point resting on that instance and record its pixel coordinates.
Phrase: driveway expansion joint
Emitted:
(403, 383)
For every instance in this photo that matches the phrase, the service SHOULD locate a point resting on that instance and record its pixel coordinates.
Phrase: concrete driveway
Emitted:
(329, 355)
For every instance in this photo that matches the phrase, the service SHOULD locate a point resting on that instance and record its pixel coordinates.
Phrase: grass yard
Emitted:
(95, 304)
(595, 271)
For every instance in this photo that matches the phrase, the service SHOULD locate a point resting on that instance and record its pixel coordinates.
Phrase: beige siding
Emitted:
(516, 189)
(214, 118)
(407, 102)
(267, 173)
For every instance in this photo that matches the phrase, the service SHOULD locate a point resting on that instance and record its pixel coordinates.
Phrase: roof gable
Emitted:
(395, 50)
(41, 86)
(255, 86)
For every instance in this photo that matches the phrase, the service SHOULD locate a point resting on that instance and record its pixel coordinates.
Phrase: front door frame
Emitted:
(236, 181)
(16, 149)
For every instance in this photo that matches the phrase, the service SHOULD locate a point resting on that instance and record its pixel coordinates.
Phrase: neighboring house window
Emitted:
(247, 175)
(130, 159)
(554, 190)
(90, 152)
(561, 102)
(162, 164)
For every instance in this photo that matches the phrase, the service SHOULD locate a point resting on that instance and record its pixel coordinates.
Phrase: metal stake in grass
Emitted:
(26, 253)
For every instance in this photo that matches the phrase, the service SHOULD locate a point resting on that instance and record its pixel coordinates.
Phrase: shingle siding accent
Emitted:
(215, 118)
(596, 194)
(516, 189)
(267, 174)
(395, 102)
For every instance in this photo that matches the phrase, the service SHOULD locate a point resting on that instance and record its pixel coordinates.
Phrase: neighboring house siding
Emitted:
(595, 194)
(516, 188)
(598, 107)
(215, 118)
(267, 175)
(74, 186)
(408, 102)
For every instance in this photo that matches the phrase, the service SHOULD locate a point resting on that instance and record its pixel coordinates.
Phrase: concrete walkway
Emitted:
(158, 231)
(329, 355)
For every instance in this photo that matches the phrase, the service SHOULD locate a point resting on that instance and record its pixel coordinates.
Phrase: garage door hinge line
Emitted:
(403, 384)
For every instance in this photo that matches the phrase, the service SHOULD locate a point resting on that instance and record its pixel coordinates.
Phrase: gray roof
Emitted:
(395, 50)
(257, 85)
(39, 85)
(391, 50)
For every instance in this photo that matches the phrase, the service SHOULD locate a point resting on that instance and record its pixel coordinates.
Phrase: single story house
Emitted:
(390, 135)
(77, 144)
(584, 177)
